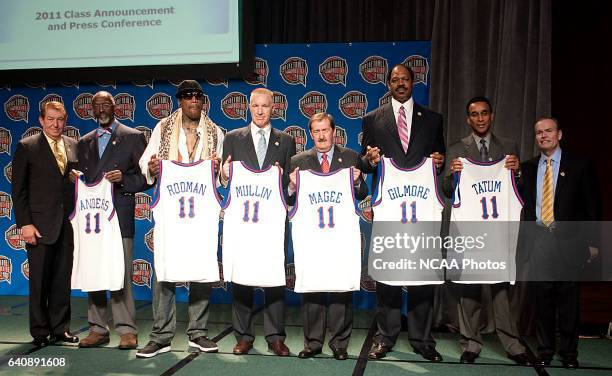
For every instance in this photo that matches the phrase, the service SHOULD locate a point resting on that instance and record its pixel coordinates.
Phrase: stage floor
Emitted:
(595, 354)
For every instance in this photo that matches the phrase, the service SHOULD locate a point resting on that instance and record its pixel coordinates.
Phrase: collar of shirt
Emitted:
(330, 155)
(487, 139)
(255, 133)
(408, 109)
(60, 144)
(101, 131)
(556, 157)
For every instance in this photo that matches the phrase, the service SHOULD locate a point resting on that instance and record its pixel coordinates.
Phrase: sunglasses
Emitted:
(190, 94)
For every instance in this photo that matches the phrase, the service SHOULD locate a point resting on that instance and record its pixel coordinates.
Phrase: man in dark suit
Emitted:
(483, 145)
(326, 157)
(112, 152)
(259, 145)
(407, 132)
(561, 203)
(43, 197)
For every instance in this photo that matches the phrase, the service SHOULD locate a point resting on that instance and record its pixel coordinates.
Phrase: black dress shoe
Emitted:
(308, 353)
(40, 341)
(429, 353)
(340, 354)
(522, 359)
(65, 337)
(570, 362)
(378, 351)
(543, 361)
(468, 357)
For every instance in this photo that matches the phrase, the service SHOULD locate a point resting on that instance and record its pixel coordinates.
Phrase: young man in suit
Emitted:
(112, 152)
(326, 157)
(259, 146)
(407, 132)
(43, 198)
(483, 145)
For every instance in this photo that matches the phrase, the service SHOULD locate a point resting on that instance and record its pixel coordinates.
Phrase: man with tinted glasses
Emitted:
(186, 136)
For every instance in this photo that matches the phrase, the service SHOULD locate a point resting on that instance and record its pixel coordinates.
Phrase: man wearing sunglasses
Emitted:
(187, 136)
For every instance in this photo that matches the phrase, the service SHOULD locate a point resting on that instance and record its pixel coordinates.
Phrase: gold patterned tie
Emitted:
(548, 215)
(59, 156)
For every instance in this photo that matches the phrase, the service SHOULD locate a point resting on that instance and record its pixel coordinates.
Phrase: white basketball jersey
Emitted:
(408, 195)
(186, 207)
(98, 250)
(325, 233)
(486, 192)
(254, 227)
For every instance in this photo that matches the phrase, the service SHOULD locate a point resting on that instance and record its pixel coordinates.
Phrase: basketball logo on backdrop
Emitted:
(175, 83)
(294, 71)
(373, 70)
(340, 138)
(146, 131)
(82, 106)
(36, 85)
(143, 83)
(112, 84)
(279, 106)
(334, 70)
(6, 204)
(31, 132)
(124, 106)
(141, 273)
(70, 84)
(360, 138)
(353, 104)
(299, 135)
(385, 99)
(25, 269)
(72, 132)
(6, 269)
(14, 239)
(50, 98)
(142, 210)
(8, 172)
(365, 209)
(17, 107)
(419, 66)
(205, 104)
(260, 73)
(234, 105)
(159, 105)
(222, 130)
(217, 81)
(312, 103)
(290, 276)
(148, 239)
(5, 141)
(184, 285)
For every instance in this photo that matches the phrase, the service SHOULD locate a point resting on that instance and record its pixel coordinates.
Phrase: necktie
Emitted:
(261, 148)
(402, 128)
(324, 163)
(59, 157)
(102, 131)
(547, 215)
(484, 152)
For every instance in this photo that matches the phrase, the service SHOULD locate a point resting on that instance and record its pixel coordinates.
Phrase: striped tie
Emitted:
(261, 148)
(324, 163)
(59, 156)
(402, 128)
(548, 215)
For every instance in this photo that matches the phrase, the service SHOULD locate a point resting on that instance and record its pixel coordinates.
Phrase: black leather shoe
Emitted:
(66, 337)
(522, 359)
(429, 353)
(378, 351)
(468, 357)
(340, 354)
(543, 361)
(570, 362)
(308, 353)
(40, 341)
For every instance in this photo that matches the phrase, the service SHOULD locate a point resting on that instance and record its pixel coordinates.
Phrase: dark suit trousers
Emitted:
(420, 315)
(50, 278)
(315, 319)
(274, 313)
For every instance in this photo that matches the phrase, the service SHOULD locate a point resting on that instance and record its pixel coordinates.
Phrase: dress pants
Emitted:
(274, 313)
(557, 298)
(315, 319)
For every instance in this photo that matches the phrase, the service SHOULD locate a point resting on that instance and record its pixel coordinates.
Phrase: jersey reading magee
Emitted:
(186, 208)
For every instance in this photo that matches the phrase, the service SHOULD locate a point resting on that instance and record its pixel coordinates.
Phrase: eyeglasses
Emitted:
(190, 94)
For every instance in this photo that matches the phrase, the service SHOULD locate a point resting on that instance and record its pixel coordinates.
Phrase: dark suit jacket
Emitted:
(281, 147)
(42, 196)
(380, 129)
(122, 153)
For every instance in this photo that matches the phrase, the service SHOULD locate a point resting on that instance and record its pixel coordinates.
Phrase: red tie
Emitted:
(324, 164)
(402, 128)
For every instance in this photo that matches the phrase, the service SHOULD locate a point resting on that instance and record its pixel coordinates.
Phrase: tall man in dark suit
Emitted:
(43, 199)
(275, 148)
(559, 189)
(407, 132)
(326, 157)
(483, 145)
(112, 152)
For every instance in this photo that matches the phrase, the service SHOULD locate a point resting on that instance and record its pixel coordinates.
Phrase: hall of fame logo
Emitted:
(142, 210)
(51, 97)
(385, 99)
(143, 83)
(148, 240)
(224, 130)
(25, 269)
(290, 277)
(72, 132)
(14, 239)
(125, 106)
(312, 103)
(82, 106)
(6, 204)
(5, 141)
(205, 104)
(220, 284)
(159, 105)
(36, 85)
(6, 269)
(334, 70)
(365, 209)
(184, 285)
(294, 71)
(8, 172)
(299, 135)
(31, 132)
(260, 73)
(419, 66)
(142, 273)
(70, 84)
(340, 138)
(217, 81)
(279, 106)
(112, 84)
(175, 82)
(234, 105)
(146, 131)
(17, 107)
(374, 69)
(353, 104)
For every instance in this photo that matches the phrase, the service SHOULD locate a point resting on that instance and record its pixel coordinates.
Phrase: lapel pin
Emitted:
(419, 113)
(114, 142)
(562, 173)
(339, 160)
(276, 143)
